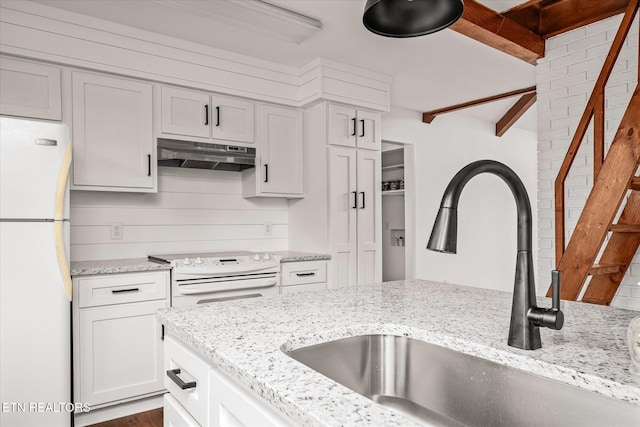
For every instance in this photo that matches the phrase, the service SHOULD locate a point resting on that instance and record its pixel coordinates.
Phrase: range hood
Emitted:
(200, 155)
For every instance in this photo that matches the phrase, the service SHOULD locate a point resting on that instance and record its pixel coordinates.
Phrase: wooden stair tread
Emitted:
(624, 228)
(635, 183)
(601, 269)
(620, 249)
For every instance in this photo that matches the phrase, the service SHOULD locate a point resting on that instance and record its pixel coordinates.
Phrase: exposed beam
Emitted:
(489, 27)
(429, 116)
(552, 17)
(519, 108)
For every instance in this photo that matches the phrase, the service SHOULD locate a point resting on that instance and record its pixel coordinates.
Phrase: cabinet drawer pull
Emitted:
(148, 164)
(362, 121)
(266, 173)
(206, 115)
(355, 200)
(218, 116)
(173, 374)
(122, 291)
(355, 126)
(305, 274)
(362, 192)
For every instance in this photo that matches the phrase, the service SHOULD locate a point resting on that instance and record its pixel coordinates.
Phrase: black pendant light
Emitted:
(410, 18)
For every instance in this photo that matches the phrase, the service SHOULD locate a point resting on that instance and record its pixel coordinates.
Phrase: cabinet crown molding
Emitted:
(45, 33)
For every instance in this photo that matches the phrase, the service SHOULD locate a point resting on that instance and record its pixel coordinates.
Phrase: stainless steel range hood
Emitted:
(199, 155)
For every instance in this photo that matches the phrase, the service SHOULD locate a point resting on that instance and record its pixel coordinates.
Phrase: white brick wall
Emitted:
(565, 79)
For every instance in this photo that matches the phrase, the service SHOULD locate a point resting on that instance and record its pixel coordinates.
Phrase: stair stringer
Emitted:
(608, 192)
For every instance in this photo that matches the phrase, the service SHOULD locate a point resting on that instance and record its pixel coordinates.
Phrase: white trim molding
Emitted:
(41, 32)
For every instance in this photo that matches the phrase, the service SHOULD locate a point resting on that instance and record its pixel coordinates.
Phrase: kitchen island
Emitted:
(245, 339)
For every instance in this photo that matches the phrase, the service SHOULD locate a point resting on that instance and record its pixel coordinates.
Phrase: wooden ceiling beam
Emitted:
(515, 112)
(552, 17)
(429, 116)
(493, 29)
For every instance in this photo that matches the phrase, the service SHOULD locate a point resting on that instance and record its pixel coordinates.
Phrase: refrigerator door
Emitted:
(33, 155)
(35, 325)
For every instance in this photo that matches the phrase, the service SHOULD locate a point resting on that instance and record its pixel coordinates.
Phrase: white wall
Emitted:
(565, 80)
(194, 210)
(486, 213)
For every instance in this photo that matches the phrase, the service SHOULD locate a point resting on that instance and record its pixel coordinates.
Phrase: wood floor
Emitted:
(143, 419)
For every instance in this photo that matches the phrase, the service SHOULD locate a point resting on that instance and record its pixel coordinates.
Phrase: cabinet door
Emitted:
(369, 217)
(112, 133)
(303, 288)
(232, 119)
(120, 352)
(28, 89)
(280, 150)
(342, 216)
(184, 112)
(369, 131)
(342, 125)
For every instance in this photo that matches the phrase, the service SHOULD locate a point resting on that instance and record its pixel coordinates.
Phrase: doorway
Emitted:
(398, 245)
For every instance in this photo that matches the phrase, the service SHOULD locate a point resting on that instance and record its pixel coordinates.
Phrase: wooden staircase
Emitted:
(614, 180)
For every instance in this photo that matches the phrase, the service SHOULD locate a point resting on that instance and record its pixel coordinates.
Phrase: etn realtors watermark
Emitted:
(45, 407)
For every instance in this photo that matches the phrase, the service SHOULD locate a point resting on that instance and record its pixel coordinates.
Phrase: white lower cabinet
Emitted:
(118, 341)
(303, 276)
(202, 394)
(174, 415)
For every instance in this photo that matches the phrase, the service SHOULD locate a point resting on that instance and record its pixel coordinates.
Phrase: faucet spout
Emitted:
(526, 317)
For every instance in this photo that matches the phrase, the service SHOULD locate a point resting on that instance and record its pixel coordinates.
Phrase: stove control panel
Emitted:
(233, 264)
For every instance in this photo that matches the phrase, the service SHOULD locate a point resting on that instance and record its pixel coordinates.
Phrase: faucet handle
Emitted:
(555, 290)
(551, 318)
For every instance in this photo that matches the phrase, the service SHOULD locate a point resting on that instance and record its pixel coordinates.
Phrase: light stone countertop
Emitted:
(245, 338)
(294, 256)
(113, 266)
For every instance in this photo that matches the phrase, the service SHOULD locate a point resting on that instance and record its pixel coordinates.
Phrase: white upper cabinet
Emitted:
(369, 130)
(30, 90)
(350, 127)
(113, 147)
(185, 114)
(232, 119)
(279, 161)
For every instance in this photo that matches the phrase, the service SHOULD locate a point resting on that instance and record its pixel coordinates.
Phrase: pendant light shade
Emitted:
(410, 18)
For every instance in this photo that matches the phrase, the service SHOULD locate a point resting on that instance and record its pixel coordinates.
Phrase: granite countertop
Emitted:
(245, 338)
(85, 268)
(294, 256)
(111, 266)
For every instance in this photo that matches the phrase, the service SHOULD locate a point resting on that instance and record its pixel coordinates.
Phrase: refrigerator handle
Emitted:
(58, 228)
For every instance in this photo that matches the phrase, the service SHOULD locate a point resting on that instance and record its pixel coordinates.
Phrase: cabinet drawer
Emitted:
(299, 273)
(121, 288)
(192, 369)
(174, 415)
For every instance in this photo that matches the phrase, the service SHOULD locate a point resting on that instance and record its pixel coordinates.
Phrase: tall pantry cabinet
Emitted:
(341, 213)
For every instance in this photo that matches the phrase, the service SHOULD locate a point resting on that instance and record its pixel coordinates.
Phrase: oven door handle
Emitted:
(202, 288)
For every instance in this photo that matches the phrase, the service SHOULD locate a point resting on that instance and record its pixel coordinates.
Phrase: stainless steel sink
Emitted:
(438, 386)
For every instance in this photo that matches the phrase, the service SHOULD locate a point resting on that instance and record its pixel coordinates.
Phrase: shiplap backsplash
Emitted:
(194, 211)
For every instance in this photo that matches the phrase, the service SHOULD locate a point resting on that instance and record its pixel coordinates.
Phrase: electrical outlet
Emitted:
(116, 231)
(268, 229)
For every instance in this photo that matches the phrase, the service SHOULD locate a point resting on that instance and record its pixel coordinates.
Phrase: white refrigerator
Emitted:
(35, 284)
